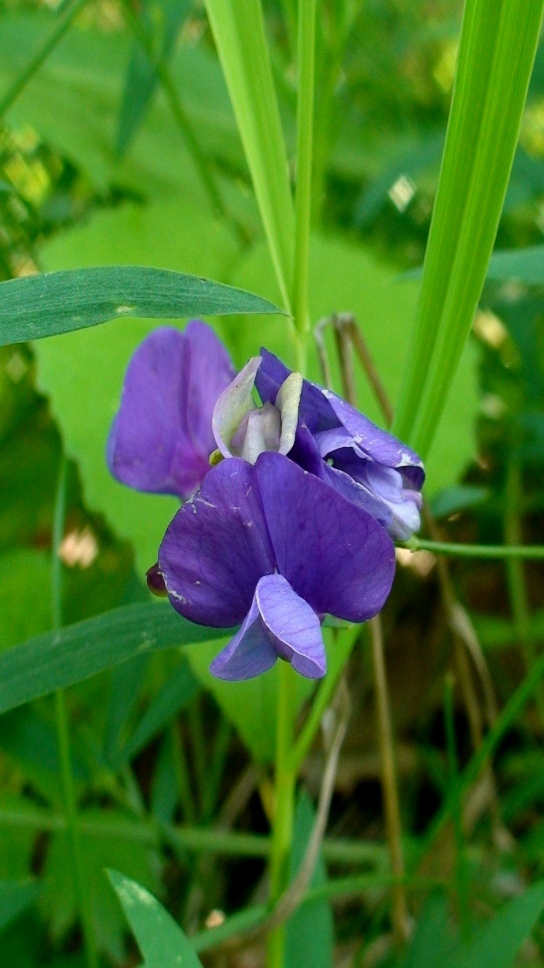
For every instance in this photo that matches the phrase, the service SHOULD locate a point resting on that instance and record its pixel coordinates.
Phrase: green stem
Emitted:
(63, 737)
(476, 551)
(284, 795)
(21, 82)
(303, 194)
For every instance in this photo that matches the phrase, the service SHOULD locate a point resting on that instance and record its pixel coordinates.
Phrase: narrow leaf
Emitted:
(76, 652)
(163, 20)
(239, 34)
(58, 302)
(496, 54)
(162, 943)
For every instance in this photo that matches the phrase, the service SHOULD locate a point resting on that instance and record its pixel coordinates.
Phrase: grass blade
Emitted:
(497, 50)
(76, 652)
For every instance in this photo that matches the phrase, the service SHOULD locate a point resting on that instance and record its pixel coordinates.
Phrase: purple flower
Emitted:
(333, 440)
(273, 548)
(161, 438)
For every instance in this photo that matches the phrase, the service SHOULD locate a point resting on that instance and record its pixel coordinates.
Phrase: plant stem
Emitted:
(32, 69)
(389, 781)
(284, 794)
(63, 736)
(183, 779)
(475, 551)
(303, 194)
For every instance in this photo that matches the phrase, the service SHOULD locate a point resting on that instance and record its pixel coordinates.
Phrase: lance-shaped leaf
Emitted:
(58, 302)
(74, 653)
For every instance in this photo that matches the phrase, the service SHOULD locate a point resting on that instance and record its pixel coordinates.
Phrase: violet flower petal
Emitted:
(161, 438)
(217, 547)
(333, 554)
(279, 624)
(250, 653)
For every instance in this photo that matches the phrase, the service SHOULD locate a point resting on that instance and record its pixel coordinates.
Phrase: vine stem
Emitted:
(63, 737)
(475, 551)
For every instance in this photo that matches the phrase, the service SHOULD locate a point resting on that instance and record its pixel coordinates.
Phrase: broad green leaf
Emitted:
(175, 695)
(523, 265)
(309, 935)
(59, 302)
(496, 54)
(344, 277)
(76, 652)
(99, 850)
(85, 395)
(162, 20)
(496, 943)
(14, 899)
(162, 943)
(239, 34)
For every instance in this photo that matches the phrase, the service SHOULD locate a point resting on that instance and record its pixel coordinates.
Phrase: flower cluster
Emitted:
(290, 506)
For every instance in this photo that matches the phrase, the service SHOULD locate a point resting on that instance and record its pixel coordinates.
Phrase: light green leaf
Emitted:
(309, 935)
(496, 943)
(239, 33)
(162, 943)
(59, 302)
(496, 54)
(344, 277)
(76, 652)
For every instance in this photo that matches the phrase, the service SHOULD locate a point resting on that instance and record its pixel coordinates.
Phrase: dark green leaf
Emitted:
(59, 302)
(162, 943)
(309, 936)
(59, 659)
(496, 943)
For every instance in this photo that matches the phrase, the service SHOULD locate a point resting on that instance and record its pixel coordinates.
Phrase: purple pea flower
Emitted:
(162, 437)
(272, 548)
(327, 437)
